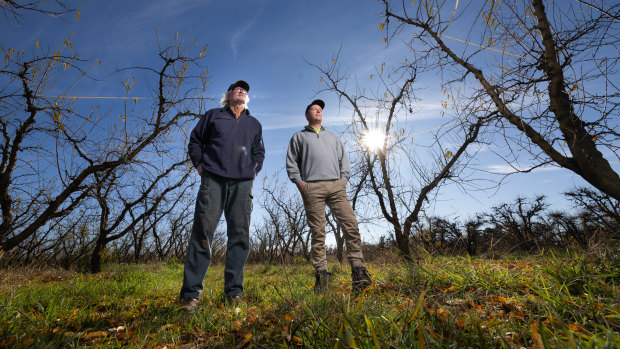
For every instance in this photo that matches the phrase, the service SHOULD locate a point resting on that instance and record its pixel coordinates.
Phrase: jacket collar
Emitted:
(227, 109)
(308, 128)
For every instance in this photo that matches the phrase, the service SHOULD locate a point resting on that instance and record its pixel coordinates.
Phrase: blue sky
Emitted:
(267, 43)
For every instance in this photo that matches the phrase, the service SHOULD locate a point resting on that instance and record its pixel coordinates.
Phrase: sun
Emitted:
(373, 139)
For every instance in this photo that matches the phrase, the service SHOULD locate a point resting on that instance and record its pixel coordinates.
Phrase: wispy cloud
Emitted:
(472, 148)
(162, 9)
(503, 169)
(274, 121)
(240, 34)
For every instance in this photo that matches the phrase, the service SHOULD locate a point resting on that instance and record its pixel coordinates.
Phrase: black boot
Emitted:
(320, 283)
(360, 277)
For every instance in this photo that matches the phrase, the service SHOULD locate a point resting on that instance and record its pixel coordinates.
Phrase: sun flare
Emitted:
(373, 140)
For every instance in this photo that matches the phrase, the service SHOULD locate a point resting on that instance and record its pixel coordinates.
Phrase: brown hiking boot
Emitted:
(189, 304)
(361, 279)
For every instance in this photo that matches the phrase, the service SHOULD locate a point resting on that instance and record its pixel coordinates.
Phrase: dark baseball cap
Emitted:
(318, 102)
(244, 85)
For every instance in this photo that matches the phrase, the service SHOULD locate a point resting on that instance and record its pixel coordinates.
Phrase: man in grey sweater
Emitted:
(317, 163)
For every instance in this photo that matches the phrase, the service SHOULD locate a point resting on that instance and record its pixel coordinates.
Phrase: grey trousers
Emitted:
(216, 195)
(333, 194)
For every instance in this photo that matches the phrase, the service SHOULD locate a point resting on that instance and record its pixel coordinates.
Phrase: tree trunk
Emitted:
(402, 242)
(590, 163)
(95, 257)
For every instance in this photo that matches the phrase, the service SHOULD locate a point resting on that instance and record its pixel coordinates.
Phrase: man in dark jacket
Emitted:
(226, 147)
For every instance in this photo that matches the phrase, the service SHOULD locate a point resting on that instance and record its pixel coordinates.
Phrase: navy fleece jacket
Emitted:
(226, 146)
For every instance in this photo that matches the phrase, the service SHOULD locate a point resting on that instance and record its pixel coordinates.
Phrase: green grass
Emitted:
(455, 302)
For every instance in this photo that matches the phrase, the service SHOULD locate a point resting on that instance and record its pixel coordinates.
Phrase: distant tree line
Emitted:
(526, 225)
(282, 237)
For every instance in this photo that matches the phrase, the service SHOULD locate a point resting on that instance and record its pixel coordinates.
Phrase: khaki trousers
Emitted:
(333, 194)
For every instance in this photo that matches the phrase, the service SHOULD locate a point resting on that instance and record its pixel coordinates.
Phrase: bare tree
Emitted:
(605, 210)
(288, 219)
(399, 182)
(571, 230)
(73, 241)
(598, 215)
(81, 148)
(522, 223)
(472, 227)
(30, 125)
(335, 228)
(550, 75)
(15, 10)
(441, 235)
(120, 215)
(171, 239)
(262, 244)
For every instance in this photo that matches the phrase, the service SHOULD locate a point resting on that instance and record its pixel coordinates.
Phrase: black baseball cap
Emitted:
(318, 102)
(244, 85)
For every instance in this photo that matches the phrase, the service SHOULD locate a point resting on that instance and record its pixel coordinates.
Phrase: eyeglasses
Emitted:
(240, 90)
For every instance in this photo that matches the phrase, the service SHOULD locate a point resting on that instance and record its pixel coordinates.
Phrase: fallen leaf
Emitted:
(167, 327)
(476, 307)
(96, 334)
(451, 288)
(497, 299)
(536, 336)
(518, 313)
(574, 327)
(28, 342)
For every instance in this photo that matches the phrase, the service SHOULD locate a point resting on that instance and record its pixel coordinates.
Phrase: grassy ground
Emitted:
(458, 302)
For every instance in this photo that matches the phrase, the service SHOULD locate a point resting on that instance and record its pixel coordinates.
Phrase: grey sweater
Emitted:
(315, 156)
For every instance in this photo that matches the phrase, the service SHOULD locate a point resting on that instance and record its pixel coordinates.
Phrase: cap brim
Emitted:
(318, 102)
(244, 85)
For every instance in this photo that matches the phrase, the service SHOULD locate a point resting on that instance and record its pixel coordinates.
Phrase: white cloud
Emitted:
(239, 34)
(164, 9)
(511, 168)
(275, 121)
